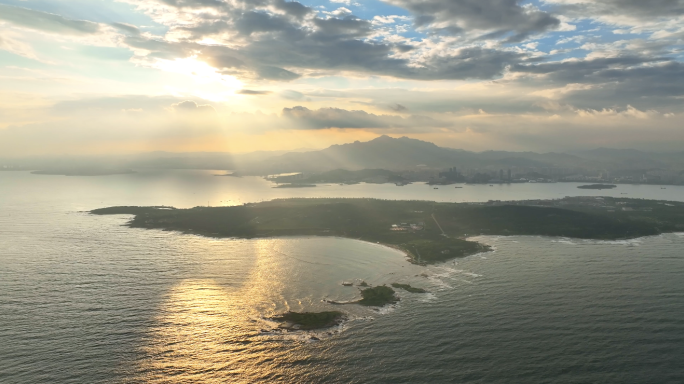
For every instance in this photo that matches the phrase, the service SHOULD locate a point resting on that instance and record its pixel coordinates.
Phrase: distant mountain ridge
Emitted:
(384, 152)
(400, 154)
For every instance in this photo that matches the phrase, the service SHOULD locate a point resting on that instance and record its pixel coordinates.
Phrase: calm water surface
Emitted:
(84, 299)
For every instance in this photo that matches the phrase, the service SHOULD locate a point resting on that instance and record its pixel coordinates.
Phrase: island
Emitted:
(307, 321)
(370, 297)
(598, 186)
(427, 232)
(409, 288)
(378, 296)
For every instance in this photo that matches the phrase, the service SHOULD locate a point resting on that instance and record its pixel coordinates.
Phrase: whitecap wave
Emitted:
(630, 242)
(472, 274)
(427, 297)
(387, 309)
(564, 241)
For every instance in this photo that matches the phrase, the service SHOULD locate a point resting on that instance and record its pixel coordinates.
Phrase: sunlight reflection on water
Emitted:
(85, 299)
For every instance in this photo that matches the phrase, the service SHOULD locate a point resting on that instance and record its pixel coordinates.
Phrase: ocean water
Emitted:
(190, 188)
(85, 299)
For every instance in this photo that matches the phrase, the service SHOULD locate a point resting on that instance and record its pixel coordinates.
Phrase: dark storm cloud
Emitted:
(325, 118)
(47, 22)
(492, 18)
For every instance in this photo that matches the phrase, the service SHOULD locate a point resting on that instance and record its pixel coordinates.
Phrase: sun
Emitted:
(200, 71)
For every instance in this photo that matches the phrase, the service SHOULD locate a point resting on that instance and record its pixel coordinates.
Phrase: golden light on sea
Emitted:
(209, 332)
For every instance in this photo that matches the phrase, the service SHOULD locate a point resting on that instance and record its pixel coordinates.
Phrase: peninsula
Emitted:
(427, 232)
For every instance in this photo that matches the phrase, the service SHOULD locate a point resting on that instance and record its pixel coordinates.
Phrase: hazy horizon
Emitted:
(276, 152)
(131, 76)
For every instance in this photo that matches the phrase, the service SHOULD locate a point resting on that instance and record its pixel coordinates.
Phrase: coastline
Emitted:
(406, 226)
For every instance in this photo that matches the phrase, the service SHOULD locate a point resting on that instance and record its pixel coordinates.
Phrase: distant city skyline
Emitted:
(84, 77)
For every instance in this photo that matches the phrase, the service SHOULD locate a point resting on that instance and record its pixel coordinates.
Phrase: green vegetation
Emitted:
(409, 288)
(598, 186)
(372, 220)
(377, 296)
(310, 320)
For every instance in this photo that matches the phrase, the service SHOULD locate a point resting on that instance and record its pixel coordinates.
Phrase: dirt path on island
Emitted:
(439, 226)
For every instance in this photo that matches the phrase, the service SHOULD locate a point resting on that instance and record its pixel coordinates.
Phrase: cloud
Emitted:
(274, 73)
(127, 28)
(17, 47)
(191, 106)
(47, 22)
(646, 82)
(261, 41)
(292, 95)
(139, 103)
(398, 108)
(491, 19)
(139, 123)
(293, 8)
(97, 105)
(614, 10)
(216, 49)
(325, 118)
(252, 92)
(588, 70)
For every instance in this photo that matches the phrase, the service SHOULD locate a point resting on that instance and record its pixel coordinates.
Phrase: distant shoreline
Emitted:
(598, 186)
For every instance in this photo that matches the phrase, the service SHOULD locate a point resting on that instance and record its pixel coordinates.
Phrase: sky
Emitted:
(80, 77)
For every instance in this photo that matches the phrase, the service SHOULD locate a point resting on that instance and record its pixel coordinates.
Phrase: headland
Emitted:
(427, 232)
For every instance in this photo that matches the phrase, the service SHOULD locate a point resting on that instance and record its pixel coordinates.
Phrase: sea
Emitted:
(85, 299)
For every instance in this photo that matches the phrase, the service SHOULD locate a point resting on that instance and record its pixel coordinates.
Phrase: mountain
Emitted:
(402, 154)
(391, 154)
